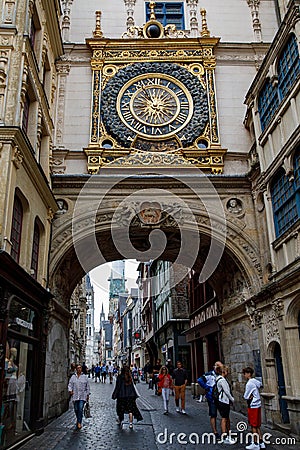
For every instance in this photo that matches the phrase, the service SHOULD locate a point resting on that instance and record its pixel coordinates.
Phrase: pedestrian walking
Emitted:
(180, 382)
(84, 368)
(207, 381)
(72, 369)
(97, 373)
(223, 399)
(252, 395)
(170, 367)
(147, 370)
(165, 383)
(156, 369)
(125, 393)
(110, 372)
(103, 373)
(79, 390)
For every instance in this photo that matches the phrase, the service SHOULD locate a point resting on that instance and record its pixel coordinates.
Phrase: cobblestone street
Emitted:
(156, 431)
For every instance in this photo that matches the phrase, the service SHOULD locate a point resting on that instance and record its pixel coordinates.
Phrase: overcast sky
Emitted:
(99, 277)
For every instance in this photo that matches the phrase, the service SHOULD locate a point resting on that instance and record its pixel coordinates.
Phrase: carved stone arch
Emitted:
(240, 253)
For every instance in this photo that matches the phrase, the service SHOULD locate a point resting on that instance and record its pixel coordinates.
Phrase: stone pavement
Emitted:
(153, 433)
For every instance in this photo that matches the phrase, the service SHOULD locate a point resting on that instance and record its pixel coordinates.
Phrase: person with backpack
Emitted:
(223, 398)
(207, 382)
(252, 396)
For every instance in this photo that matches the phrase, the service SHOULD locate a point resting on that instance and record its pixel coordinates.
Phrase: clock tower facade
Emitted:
(153, 91)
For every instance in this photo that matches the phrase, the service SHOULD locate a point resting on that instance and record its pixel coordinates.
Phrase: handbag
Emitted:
(87, 410)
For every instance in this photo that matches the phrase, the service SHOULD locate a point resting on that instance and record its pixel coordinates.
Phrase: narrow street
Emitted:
(156, 431)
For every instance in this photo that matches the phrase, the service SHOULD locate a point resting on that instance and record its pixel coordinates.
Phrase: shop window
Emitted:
(285, 193)
(168, 13)
(17, 390)
(268, 102)
(288, 66)
(16, 229)
(35, 250)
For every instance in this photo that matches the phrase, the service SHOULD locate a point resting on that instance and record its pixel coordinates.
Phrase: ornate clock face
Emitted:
(155, 105)
(154, 101)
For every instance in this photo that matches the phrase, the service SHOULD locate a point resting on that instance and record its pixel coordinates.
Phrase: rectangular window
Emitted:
(35, 251)
(285, 201)
(168, 13)
(16, 229)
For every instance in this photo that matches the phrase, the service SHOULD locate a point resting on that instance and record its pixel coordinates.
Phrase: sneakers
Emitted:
(166, 413)
(178, 409)
(253, 446)
(183, 411)
(228, 441)
(131, 425)
(262, 445)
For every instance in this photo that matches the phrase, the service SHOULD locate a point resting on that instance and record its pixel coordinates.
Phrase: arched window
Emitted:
(35, 250)
(16, 229)
(285, 193)
(268, 102)
(288, 66)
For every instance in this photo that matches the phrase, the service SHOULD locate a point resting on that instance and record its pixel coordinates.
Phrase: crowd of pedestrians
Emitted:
(166, 380)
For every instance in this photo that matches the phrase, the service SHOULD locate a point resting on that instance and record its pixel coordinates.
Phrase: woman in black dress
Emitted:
(126, 395)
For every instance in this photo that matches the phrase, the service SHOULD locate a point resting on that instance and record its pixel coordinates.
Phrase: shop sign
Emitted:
(207, 313)
(24, 324)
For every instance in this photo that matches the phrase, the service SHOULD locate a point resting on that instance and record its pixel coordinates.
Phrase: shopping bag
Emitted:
(87, 410)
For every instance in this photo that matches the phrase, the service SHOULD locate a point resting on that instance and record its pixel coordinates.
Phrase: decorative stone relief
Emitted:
(62, 207)
(17, 157)
(235, 206)
(272, 318)
(272, 330)
(236, 292)
(254, 6)
(3, 65)
(254, 314)
(50, 215)
(129, 5)
(9, 11)
(63, 70)
(149, 213)
(194, 26)
(66, 20)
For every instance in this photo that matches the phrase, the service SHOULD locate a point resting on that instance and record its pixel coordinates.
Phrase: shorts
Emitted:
(254, 417)
(212, 409)
(224, 409)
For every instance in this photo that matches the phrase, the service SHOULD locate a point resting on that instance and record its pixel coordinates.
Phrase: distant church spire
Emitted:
(102, 316)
